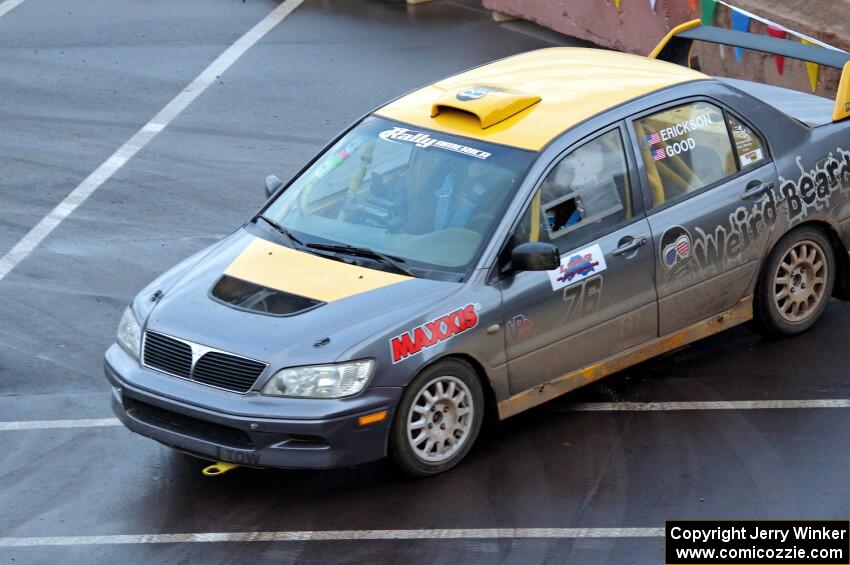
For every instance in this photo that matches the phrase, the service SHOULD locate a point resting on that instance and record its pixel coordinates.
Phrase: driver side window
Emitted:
(582, 197)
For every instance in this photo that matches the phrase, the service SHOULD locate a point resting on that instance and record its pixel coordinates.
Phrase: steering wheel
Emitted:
(480, 222)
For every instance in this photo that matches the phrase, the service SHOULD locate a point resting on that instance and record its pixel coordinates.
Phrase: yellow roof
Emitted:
(527, 100)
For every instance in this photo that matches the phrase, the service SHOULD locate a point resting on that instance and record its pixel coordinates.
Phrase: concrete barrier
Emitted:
(634, 27)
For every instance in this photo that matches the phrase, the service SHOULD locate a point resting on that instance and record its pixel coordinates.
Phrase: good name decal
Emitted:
(431, 333)
(673, 131)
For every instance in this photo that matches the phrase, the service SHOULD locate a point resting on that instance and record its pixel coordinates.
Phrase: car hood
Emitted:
(335, 305)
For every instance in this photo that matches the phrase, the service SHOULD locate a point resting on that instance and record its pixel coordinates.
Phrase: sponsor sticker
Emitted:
(518, 328)
(675, 246)
(331, 162)
(422, 139)
(753, 156)
(577, 266)
(473, 93)
(416, 340)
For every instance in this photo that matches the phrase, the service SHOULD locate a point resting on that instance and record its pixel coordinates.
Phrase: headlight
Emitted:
(321, 381)
(130, 333)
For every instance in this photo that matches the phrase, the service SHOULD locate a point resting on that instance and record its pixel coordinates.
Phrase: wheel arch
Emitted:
(842, 259)
(491, 411)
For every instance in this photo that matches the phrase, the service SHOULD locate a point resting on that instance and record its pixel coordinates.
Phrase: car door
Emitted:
(709, 191)
(602, 298)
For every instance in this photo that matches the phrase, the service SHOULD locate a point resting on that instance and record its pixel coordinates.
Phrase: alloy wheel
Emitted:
(440, 419)
(800, 281)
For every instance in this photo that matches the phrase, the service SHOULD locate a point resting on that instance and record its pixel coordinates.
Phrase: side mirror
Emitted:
(272, 185)
(535, 256)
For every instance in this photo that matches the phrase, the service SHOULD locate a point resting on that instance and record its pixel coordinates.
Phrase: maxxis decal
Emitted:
(416, 340)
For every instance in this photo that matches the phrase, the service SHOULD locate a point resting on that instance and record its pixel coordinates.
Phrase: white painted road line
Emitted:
(142, 137)
(55, 424)
(342, 535)
(8, 6)
(707, 405)
(578, 407)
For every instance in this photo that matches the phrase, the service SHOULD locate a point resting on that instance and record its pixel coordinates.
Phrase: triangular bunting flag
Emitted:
(813, 69)
(779, 34)
(692, 5)
(617, 3)
(708, 9)
(652, 4)
(740, 22)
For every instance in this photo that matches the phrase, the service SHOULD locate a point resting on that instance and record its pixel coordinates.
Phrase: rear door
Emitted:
(602, 298)
(709, 190)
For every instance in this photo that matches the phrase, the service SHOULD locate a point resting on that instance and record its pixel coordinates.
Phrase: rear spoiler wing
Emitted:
(676, 47)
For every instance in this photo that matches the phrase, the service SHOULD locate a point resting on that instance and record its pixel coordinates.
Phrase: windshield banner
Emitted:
(422, 139)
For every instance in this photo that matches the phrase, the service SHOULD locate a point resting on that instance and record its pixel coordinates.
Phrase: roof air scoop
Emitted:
(489, 104)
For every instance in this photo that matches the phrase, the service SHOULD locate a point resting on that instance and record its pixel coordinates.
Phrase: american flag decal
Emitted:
(653, 138)
(658, 154)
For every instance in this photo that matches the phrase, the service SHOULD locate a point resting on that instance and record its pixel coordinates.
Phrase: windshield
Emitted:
(429, 199)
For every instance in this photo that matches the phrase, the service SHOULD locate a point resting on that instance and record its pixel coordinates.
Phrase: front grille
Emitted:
(215, 368)
(187, 425)
(168, 354)
(226, 371)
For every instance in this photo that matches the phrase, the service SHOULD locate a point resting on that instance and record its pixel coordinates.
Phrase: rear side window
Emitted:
(684, 149)
(748, 145)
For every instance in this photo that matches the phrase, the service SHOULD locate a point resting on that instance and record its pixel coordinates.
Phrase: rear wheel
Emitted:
(796, 283)
(438, 418)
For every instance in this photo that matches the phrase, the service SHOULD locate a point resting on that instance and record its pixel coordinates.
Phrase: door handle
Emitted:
(629, 246)
(756, 188)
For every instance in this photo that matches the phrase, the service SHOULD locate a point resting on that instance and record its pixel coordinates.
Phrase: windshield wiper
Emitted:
(392, 261)
(283, 230)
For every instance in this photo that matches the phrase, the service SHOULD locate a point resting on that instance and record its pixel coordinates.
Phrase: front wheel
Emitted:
(438, 418)
(796, 283)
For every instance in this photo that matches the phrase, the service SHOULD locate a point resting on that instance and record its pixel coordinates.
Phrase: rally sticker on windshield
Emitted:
(422, 139)
(577, 266)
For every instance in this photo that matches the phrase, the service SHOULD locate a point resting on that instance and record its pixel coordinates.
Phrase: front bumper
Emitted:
(248, 429)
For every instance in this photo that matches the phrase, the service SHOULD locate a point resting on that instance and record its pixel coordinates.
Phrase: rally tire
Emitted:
(438, 419)
(795, 284)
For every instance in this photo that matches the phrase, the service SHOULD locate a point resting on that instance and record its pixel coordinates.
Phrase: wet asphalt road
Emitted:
(79, 78)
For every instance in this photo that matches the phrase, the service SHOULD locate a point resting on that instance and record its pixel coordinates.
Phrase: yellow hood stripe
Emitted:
(275, 266)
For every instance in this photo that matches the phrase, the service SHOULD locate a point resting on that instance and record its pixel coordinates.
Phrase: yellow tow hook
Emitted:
(218, 468)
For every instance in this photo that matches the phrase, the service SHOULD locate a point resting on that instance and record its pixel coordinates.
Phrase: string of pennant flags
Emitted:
(741, 22)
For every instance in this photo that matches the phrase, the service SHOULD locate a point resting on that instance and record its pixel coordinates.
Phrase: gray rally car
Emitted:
(491, 241)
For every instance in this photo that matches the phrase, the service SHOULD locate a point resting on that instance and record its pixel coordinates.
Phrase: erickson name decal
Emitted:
(431, 333)
(422, 139)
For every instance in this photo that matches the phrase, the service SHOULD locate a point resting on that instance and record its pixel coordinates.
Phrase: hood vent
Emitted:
(252, 297)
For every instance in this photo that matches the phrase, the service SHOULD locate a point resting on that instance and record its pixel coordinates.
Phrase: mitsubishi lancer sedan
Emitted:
(491, 241)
